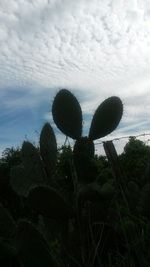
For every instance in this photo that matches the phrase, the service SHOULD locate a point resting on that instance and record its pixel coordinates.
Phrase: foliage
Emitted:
(135, 160)
(11, 156)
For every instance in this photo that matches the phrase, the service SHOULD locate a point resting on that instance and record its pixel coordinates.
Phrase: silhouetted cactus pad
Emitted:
(67, 114)
(48, 202)
(30, 173)
(48, 148)
(29, 153)
(106, 117)
(19, 180)
(84, 147)
(23, 179)
(7, 224)
(32, 247)
(83, 154)
(32, 161)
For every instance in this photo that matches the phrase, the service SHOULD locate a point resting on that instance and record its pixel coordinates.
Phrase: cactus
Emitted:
(19, 180)
(106, 118)
(48, 149)
(86, 205)
(83, 155)
(48, 202)
(32, 162)
(7, 234)
(30, 173)
(7, 224)
(31, 246)
(84, 147)
(67, 114)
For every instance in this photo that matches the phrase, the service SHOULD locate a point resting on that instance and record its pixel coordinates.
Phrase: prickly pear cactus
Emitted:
(30, 173)
(7, 224)
(48, 149)
(106, 118)
(49, 203)
(87, 204)
(83, 155)
(67, 115)
(31, 246)
(7, 234)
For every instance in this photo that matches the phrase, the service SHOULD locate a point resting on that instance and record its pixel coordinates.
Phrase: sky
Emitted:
(96, 49)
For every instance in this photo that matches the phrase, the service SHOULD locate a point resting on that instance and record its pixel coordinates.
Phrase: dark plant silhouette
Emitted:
(75, 217)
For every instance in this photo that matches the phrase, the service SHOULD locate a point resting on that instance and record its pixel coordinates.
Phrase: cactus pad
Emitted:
(84, 147)
(7, 224)
(32, 247)
(48, 202)
(106, 117)
(48, 148)
(67, 114)
(30, 173)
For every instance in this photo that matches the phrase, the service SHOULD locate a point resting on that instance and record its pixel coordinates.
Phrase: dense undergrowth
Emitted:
(70, 207)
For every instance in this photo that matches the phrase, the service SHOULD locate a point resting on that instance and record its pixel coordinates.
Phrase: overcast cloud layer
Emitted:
(95, 48)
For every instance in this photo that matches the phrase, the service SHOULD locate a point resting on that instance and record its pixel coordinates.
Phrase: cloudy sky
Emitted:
(95, 48)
